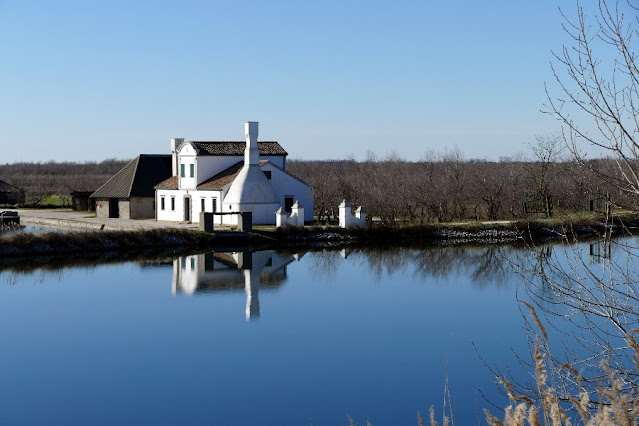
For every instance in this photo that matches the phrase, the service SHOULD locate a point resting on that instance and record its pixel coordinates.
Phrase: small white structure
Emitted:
(230, 177)
(296, 218)
(347, 219)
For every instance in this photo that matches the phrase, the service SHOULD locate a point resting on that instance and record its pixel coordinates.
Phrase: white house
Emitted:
(227, 177)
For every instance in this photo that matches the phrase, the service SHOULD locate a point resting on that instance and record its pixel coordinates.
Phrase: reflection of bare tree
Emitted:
(484, 265)
(39, 276)
(324, 263)
(384, 261)
(591, 308)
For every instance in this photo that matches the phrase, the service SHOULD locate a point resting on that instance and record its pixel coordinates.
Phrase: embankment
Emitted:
(93, 243)
(476, 233)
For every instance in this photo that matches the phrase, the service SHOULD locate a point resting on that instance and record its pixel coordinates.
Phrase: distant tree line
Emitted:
(40, 180)
(446, 187)
(441, 187)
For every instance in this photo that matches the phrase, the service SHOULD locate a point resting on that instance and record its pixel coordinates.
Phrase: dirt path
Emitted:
(74, 220)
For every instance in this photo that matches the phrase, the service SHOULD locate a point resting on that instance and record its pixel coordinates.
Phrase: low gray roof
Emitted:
(137, 178)
(236, 148)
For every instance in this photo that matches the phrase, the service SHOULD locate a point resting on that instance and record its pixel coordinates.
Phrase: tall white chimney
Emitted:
(175, 144)
(251, 153)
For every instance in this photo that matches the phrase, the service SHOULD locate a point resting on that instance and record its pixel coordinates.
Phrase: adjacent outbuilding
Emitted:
(130, 194)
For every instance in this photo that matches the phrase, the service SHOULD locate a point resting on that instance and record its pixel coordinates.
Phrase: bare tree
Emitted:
(598, 103)
(598, 81)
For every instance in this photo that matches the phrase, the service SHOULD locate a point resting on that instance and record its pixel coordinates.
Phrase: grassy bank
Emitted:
(52, 243)
(538, 230)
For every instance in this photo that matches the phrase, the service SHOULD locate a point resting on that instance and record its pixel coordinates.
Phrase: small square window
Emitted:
(268, 174)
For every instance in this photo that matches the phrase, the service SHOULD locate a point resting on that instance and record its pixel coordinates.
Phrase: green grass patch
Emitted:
(54, 201)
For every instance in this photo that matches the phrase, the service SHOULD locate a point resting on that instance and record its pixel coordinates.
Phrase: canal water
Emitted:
(239, 338)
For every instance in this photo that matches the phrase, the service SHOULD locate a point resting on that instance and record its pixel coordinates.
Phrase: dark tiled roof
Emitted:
(225, 177)
(170, 183)
(137, 178)
(237, 148)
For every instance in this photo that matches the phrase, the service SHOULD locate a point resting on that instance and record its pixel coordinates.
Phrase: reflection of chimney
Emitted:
(175, 144)
(245, 260)
(251, 153)
(252, 287)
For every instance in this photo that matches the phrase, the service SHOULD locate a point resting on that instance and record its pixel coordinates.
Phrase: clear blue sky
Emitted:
(89, 80)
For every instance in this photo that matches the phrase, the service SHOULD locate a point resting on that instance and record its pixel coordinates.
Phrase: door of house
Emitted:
(288, 203)
(187, 209)
(114, 208)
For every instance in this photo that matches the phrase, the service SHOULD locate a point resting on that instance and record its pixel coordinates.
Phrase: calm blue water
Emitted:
(262, 338)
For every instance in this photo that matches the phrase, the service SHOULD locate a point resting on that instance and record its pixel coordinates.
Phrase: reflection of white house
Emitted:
(211, 272)
(230, 177)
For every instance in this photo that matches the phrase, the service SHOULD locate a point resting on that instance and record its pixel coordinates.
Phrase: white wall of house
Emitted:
(286, 185)
(263, 214)
(186, 167)
(209, 165)
(176, 213)
(278, 160)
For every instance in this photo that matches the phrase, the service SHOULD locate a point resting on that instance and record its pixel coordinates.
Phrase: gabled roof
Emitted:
(236, 148)
(137, 178)
(7, 187)
(283, 171)
(222, 179)
(225, 177)
(170, 183)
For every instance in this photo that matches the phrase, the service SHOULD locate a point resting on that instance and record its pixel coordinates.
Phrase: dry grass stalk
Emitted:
(516, 415)
(533, 416)
(537, 321)
(492, 420)
(616, 405)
